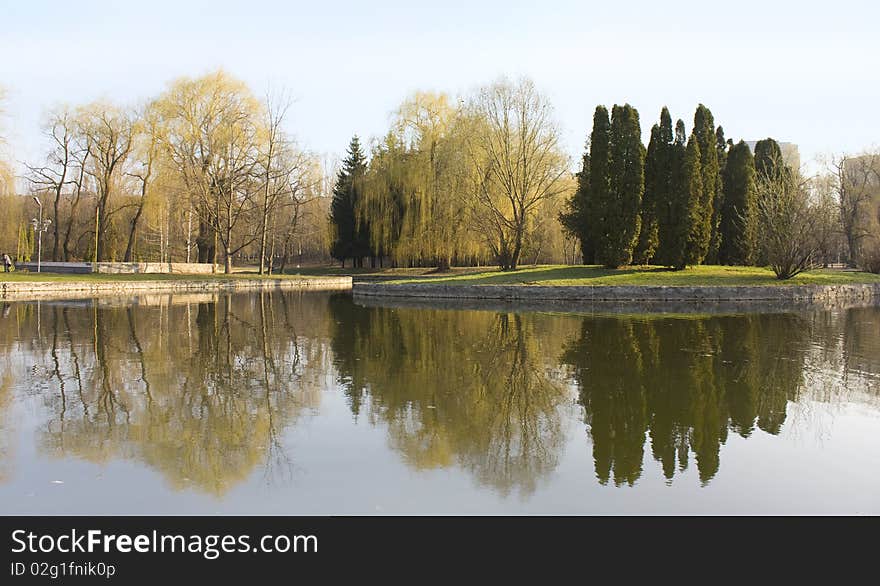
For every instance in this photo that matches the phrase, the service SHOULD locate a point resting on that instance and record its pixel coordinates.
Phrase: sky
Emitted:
(803, 72)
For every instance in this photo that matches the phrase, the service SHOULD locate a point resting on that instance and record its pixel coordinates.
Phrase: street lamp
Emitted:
(40, 226)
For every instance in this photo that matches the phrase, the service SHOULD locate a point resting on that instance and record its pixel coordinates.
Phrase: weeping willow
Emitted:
(414, 191)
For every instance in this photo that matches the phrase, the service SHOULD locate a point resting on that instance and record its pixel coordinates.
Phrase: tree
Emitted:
(576, 218)
(60, 129)
(657, 176)
(789, 222)
(599, 179)
(351, 238)
(213, 134)
(697, 243)
(739, 209)
(710, 204)
(768, 158)
(626, 187)
(518, 163)
(146, 150)
(673, 219)
(857, 183)
(110, 132)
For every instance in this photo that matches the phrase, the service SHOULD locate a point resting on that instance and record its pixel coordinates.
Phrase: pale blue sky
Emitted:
(804, 72)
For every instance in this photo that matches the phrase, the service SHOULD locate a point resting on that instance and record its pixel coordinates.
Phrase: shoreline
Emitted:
(38, 290)
(626, 293)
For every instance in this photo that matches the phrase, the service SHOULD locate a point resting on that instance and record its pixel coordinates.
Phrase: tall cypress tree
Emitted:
(695, 196)
(710, 206)
(618, 236)
(647, 243)
(739, 213)
(657, 177)
(672, 206)
(768, 156)
(351, 237)
(599, 180)
(576, 218)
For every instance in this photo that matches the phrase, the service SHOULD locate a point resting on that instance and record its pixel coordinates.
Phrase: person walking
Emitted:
(7, 263)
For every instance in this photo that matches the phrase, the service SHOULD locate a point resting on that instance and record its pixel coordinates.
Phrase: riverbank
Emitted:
(649, 284)
(27, 286)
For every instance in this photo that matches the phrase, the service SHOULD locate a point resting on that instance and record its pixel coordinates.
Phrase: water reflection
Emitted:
(199, 391)
(204, 389)
(684, 383)
(474, 389)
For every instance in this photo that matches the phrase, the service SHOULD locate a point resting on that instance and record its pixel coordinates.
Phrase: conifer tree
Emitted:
(768, 156)
(576, 218)
(620, 209)
(657, 177)
(598, 180)
(351, 236)
(739, 213)
(692, 177)
(672, 206)
(710, 206)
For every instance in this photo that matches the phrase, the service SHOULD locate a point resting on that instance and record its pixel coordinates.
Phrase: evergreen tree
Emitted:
(598, 180)
(768, 156)
(620, 209)
(672, 207)
(351, 236)
(710, 206)
(657, 177)
(576, 218)
(692, 184)
(739, 213)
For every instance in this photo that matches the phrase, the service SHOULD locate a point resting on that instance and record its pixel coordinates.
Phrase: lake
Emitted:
(311, 403)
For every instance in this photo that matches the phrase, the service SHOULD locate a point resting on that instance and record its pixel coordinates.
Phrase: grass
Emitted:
(695, 276)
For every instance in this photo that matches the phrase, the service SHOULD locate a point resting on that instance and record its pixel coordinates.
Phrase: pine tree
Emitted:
(739, 213)
(351, 237)
(710, 206)
(672, 207)
(620, 209)
(576, 218)
(657, 177)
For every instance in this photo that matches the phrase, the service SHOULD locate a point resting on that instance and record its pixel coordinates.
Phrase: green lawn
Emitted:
(696, 276)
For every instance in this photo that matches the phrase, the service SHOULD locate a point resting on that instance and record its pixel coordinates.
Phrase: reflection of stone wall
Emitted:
(821, 293)
(183, 268)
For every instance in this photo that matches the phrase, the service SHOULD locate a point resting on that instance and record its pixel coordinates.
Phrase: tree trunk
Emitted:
(227, 261)
(131, 234)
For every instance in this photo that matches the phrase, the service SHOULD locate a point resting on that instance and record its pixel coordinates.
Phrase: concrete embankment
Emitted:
(603, 293)
(24, 290)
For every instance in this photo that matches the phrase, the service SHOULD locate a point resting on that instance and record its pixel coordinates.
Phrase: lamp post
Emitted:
(40, 226)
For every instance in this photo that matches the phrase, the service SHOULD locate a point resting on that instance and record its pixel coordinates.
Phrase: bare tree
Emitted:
(60, 128)
(790, 221)
(518, 164)
(857, 184)
(110, 131)
(146, 147)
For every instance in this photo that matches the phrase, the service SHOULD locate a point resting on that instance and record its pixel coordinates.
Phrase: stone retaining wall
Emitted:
(780, 293)
(23, 290)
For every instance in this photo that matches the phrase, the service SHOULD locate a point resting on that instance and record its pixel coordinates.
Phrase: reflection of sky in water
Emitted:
(307, 403)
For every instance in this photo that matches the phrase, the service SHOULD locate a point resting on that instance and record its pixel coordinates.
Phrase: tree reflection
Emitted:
(475, 389)
(198, 391)
(684, 382)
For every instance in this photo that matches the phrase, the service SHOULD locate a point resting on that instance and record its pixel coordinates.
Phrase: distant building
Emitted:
(790, 153)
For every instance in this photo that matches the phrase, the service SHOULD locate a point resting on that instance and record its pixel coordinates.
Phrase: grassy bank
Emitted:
(654, 276)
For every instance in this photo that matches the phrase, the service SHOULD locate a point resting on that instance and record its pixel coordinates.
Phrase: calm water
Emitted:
(300, 403)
